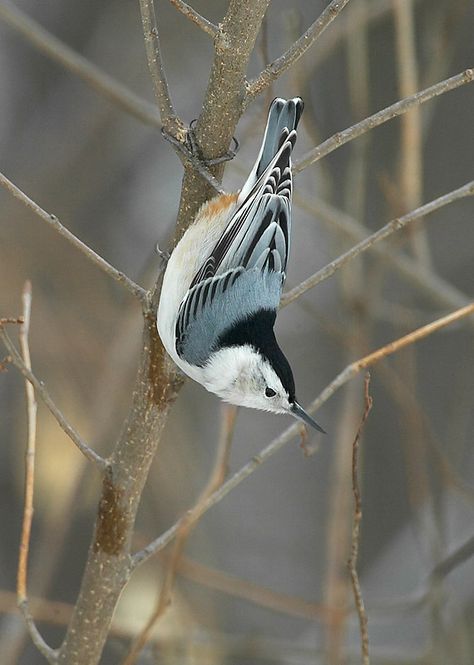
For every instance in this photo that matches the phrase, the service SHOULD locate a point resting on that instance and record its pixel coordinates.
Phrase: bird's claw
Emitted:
(162, 254)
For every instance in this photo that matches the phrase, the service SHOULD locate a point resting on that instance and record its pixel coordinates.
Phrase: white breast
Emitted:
(188, 256)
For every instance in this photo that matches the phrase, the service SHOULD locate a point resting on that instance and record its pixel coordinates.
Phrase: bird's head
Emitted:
(244, 376)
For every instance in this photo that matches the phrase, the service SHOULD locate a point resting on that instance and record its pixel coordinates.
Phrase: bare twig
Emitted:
(32, 408)
(22, 595)
(136, 290)
(40, 388)
(350, 371)
(195, 17)
(216, 479)
(171, 123)
(354, 368)
(438, 289)
(357, 518)
(102, 83)
(381, 234)
(294, 53)
(402, 106)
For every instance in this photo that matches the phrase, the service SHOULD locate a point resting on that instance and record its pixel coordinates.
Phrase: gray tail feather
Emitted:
(283, 117)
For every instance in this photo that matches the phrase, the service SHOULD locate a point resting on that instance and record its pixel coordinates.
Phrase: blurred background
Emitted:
(264, 579)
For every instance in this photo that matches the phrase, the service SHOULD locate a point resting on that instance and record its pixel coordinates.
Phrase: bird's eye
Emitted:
(269, 392)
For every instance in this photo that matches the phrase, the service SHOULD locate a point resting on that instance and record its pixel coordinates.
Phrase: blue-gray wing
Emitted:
(211, 307)
(246, 268)
(258, 234)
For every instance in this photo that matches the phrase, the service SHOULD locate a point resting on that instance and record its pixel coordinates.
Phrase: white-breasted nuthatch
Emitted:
(224, 279)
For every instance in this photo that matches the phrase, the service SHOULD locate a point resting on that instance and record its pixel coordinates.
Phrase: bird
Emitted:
(223, 282)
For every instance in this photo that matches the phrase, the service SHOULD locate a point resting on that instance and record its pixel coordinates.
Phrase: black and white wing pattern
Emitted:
(246, 269)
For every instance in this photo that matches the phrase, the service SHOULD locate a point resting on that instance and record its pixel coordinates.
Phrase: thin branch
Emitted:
(31, 407)
(351, 370)
(171, 123)
(354, 368)
(381, 234)
(195, 17)
(294, 53)
(136, 290)
(438, 289)
(400, 107)
(41, 390)
(102, 83)
(50, 654)
(22, 573)
(217, 476)
(357, 518)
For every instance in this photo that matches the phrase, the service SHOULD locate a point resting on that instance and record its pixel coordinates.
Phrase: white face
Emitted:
(241, 376)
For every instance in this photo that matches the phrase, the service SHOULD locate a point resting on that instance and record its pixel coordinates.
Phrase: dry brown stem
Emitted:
(357, 518)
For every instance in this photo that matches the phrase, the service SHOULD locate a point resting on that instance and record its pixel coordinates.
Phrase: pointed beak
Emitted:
(301, 414)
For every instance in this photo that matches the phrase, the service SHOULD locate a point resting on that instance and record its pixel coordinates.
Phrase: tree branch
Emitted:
(354, 368)
(350, 371)
(195, 17)
(102, 83)
(31, 407)
(136, 290)
(435, 287)
(22, 574)
(224, 100)
(40, 388)
(370, 241)
(294, 53)
(109, 566)
(357, 518)
(171, 123)
(400, 107)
